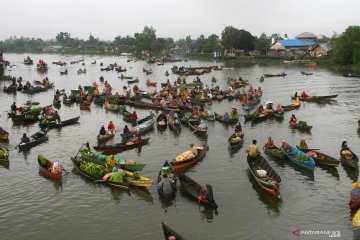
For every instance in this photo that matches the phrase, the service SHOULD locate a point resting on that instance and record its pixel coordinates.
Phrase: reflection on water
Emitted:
(352, 174)
(272, 203)
(303, 196)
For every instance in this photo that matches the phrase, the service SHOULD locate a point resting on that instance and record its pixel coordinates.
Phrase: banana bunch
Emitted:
(95, 170)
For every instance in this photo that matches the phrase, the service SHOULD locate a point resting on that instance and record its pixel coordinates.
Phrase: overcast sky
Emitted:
(107, 19)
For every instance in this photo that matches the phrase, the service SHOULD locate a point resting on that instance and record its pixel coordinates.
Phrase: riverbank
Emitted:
(327, 62)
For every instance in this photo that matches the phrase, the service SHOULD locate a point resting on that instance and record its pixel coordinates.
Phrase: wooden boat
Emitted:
(120, 147)
(85, 107)
(189, 162)
(4, 135)
(132, 81)
(10, 89)
(127, 117)
(28, 61)
(34, 90)
(310, 64)
(290, 107)
(167, 169)
(300, 159)
(161, 121)
(64, 72)
(140, 128)
(174, 124)
(236, 144)
(317, 98)
(268, 180)
(101, 159)
(150, 84)
(274, 152)
(134, 179)
(196, 128)
(351, 163)
(4, 153)
(198, 192)
(279, 114)
(81, 71)
(306, 73)
(301, 127)
(221, 119)
(168, 232)
(48, 171)
(36, 139)
(77, 161)
(109, 135)
(321, 159)
(275, 75)
(53, 124)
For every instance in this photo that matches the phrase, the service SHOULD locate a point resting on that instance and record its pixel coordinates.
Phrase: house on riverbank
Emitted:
(304, 45)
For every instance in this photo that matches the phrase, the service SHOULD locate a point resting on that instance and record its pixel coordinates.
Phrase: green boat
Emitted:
(35, 90)
(101, 159)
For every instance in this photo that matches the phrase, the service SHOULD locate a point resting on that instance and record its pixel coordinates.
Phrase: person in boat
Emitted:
(269, 143)
(111, 162)
(133, 115)
(136, 138)
(102, 131)
(195, 149)
(293, 120)
(195, 114)
(234, 112)
(117, 175)
(253, 150)
(87, 147)
(238, 127)
(261, 109)
(251, 89)
(202, 125)
(279, 108)
(24, 139)
(296, 101)
(111, 126)
(57, 92)
(285, 146)
(344, 146)
(165, 183)
(13, 84)
(303, 94)
(126, 130)
(201, 108)
(262, 78)
(303, 145)
(136, 88)
(56, 117)
(13, 107)
(226, 117)
(296, 95)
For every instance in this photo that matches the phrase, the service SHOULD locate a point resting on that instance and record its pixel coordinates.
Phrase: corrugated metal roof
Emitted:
(306, 35)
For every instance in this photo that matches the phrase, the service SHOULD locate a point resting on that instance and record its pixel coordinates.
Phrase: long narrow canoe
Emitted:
(317, 98)
(173, 124)
(120, 147)
(196, 128)
(53, 124)
(290, 107)
(321, 158)
(168, 232)
(274, 152)
(139, 129)
(167, 169)
(300, 159)
(305, 128)
(77, 161)
(47, 170)
(189, 162)
(351, 163)
(36, 139)
(270, 180)
(196, 191)
(101, 159)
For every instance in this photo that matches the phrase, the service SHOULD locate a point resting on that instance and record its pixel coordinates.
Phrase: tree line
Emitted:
(345, 46)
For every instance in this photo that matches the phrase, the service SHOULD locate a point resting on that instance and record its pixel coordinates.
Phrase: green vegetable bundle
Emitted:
(95, 170)
(4, 153)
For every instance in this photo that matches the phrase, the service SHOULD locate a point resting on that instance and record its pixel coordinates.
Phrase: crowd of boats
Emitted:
(181, 104)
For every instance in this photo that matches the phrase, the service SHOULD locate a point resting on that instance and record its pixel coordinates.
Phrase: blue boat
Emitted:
(295, 156)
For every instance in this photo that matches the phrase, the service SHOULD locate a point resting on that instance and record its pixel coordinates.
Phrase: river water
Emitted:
(34, 207)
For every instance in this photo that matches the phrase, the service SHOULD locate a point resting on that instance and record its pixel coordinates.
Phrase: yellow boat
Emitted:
(134, 179)
(356, 220)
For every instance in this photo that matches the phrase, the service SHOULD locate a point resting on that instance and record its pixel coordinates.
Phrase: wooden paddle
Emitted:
(79, 150)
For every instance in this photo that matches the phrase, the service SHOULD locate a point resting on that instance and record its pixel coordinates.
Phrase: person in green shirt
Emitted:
(253, 150)
(303, 145)
(117, 176)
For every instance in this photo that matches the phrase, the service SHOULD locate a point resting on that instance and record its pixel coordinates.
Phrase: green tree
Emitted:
(63, 38)
(144, 40)
(346, 47)
(230, 37)
(263, 43)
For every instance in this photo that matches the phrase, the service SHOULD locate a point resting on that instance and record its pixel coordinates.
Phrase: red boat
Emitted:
(85, 107)
(150, 84)
(47, 168)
